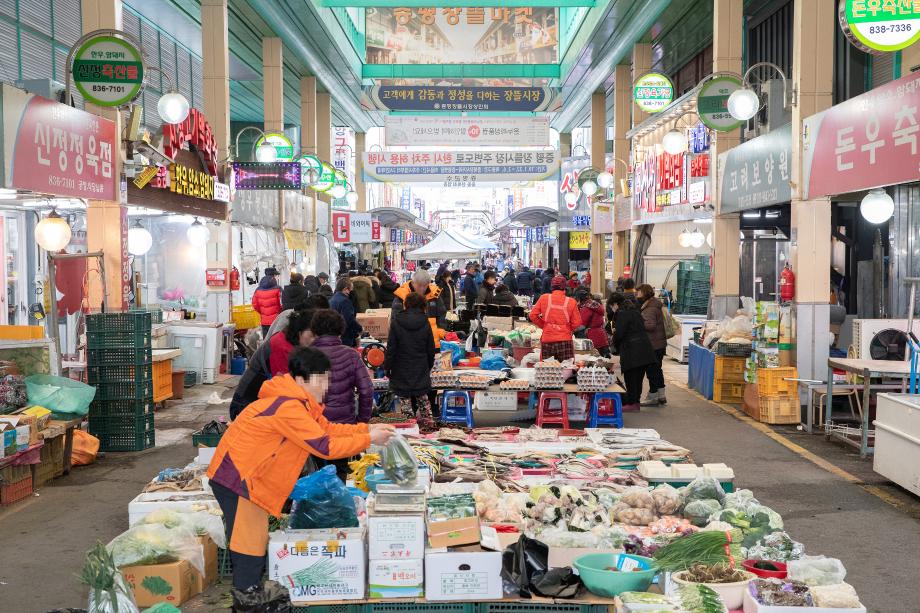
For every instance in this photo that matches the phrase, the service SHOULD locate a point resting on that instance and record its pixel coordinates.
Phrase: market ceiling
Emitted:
(328, 39)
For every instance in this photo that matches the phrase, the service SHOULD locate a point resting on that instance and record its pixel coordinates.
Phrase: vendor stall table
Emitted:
(701, 370)
(588, 604)
(868, 369)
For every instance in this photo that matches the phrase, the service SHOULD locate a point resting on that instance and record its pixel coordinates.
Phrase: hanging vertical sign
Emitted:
(108, 69)
(712, 103)
(653, 92)
(878, 27)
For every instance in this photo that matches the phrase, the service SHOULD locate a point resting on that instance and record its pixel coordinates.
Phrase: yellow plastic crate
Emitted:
(729, 393)
(21, 333)
(729, 370)
(162, 380)
(779, 410)
(772, 381)
(245, 317)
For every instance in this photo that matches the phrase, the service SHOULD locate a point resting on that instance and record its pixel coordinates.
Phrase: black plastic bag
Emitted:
(525, 565)
(269, 598)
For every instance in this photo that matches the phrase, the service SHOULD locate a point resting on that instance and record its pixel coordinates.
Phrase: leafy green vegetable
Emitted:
(700, 548)
(704, 488)
(699, 511)
(158, 586)
(697, 598)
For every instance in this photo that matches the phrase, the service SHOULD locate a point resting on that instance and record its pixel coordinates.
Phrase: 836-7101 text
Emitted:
(109, 88)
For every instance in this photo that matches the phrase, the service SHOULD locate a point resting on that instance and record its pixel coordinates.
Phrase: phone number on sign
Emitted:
(892, 29)
(117, 89)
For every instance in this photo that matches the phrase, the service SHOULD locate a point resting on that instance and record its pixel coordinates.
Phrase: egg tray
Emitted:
(593, 379)
(444, 378)
(515, 384)
(474, 382)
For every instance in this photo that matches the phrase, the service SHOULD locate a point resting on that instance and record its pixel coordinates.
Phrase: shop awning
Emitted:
(530, 217)
(446, 245)
(394, 217)
(296, 240)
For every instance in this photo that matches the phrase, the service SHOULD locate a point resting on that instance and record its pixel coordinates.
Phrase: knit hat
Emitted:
(558, 282)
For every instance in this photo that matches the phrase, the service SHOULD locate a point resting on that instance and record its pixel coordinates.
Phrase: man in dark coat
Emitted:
(510, 280)
(410, 357)
(633, 345)
(548, 275)
(470, 287)
(324, 288)
(312, 284)
(503, 296)
(341, 302)
(385, 289)
(524, 282)
(294, 294)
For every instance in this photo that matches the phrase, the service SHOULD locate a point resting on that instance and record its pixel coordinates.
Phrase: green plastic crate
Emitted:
(123, 433)
(421, 607)
(120, 356)
(119, 340)
(119, 323)
(122, 408)
(120, 373)
(137, 391)
(156, 313)
(331, 608)
(224, 566)
(205, 440)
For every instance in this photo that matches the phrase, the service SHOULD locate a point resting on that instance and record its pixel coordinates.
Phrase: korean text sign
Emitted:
(461, 98)
(55, 149)
(460, 168)
(868, 141)
(432, 130)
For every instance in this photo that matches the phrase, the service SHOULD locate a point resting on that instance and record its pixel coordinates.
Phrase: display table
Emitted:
(588, 603)
(701, 370)
(868, 370)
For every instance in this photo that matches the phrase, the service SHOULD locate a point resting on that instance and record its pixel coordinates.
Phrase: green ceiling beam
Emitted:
(460, 71)
(451, 3)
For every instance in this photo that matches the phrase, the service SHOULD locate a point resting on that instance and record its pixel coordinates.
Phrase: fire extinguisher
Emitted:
(787, 284)
(234, 279)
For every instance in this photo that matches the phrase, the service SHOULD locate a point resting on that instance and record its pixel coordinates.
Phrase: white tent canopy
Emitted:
(479, 242)
(446, 245)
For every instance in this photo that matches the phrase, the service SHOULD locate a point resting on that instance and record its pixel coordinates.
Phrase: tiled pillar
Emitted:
(272, 85)
(598, 138)
(622, 118)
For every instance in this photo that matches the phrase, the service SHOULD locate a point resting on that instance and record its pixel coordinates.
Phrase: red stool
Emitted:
(547, 415)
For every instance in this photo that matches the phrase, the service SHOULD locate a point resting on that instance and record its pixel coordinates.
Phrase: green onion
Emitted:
(707, 548)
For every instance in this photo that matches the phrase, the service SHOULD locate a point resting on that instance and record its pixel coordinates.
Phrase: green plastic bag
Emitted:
(66, 397)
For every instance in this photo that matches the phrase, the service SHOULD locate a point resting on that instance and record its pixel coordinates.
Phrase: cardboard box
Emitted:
(203, 582)
(496, 401)
(561, 557)
(41, 414)
(453, 532)
(172, 583)
(8, 445)
(376, 322)
(395, 537)
(396, 578)
(463, 575)
(23, 426)
(292, 554)
(28, 419)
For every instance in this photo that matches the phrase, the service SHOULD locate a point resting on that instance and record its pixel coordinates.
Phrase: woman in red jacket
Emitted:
(266, 301)
(557, 315)
(297, 334)
(592, 317)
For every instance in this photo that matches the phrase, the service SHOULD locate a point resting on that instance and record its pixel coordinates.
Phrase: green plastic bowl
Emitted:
(612, 583)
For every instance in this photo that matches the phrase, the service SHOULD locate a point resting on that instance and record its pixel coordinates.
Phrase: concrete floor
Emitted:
(847, 512)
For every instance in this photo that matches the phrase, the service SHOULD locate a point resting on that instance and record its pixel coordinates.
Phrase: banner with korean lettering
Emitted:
(436, 131)
(756, 173)
(52, 148)
(353, 228)
(461, 35)
(866, 142)
(451, 98)
(573, 215)
(460, 168)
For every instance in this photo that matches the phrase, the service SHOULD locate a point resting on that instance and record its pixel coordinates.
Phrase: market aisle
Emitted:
(876, 542)
(46, 537)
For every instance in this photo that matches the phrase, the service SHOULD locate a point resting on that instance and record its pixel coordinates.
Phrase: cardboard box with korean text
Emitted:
(202, 582)
(376, 322)
(318, 565)
(172, 582)
(21, 423)
(396, 578)
(453, 532)
(7, 440)
(463, 575)
(395, 537)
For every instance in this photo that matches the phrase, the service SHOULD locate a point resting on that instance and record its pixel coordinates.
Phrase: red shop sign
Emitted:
(58, 149)
(868, 141)
(375, 230)
(196, 131)
(341, 228)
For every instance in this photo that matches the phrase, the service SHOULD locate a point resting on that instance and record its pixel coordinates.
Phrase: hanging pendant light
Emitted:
(697, 239)
(683, 239)
(743, 103)
(53, 232)
(589, 188)
(877, 206)
(351, 198)
(173, 107)
(198, 233)
(605, 180)
(139, 239)
(675, 141)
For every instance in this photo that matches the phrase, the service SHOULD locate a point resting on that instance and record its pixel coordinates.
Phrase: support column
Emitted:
(598, 138)
(272, 85)
(565, 150)
(308, 146)
(641, 64)
(727, 48)
(622, 118)
(105, 220)
(359, 172)
(813, 74)
(324, 152)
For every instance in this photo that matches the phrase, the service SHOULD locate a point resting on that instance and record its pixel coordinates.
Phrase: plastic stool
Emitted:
(457, 414)
(546, 415)
(532, 401)
(595, 418)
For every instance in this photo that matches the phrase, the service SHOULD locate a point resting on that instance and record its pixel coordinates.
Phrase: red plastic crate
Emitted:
(11, 493)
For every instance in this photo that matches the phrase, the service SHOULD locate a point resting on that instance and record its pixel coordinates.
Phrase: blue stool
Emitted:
(532, 401)
(615, 420)
(457, 414)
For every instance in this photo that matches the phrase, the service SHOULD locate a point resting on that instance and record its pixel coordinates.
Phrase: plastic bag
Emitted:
(85, 448)
(60, 395)
(457, 352)
(269, 598)
(778, 547)
(525, 565)
(837, 596)
(493, 363)
(163, 607)
(156, 544)
(667, 499)
(321, 500)
(699, 511)
(817, 570)
(704, 488)
(108, 590)
(399, 462)
(201, 522)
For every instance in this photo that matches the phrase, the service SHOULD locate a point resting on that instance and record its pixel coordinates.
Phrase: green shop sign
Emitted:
(308, 162)
(712, 103)
(653, 92)
(326, 179)
(284, 148)
(880, 25)
(108, 70)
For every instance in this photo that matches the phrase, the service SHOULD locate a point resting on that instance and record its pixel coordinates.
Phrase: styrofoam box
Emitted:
(293, 551)
(752, 606)
(496, 401)
(396, 578)
(144, 504)
(463, 575)
(395, 537)
(205, 455)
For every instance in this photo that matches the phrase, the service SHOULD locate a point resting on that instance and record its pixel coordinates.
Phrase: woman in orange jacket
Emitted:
(557, 315)
(261, 455)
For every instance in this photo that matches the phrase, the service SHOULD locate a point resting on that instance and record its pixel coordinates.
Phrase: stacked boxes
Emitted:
(778, 398)
(120, 367)
(693, 285)
(728, 380)
(396, 555)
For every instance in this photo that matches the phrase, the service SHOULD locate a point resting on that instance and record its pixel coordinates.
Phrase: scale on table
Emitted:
(402, 499)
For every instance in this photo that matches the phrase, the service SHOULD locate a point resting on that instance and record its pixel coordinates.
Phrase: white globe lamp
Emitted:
(697, 239)
(351, 198)
(139, 239)
(743, 103)
(589, 188)
(198, 233)
(173, 107)
(53, 232)
(338, 191)
(877, 206)
(571, 197)
(675, 141)
(683, 239)
(266, 153)
(605, 180)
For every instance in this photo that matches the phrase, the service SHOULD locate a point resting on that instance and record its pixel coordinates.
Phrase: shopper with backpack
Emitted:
(653, 318)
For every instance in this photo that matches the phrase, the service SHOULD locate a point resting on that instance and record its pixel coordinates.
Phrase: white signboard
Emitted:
(221, 192)
(460, 168)
(432, 130)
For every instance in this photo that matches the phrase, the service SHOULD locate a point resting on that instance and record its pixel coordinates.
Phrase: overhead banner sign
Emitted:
(653, 92)
(353, 228)
(866, 142)
(460, 98)
(267, 175)
(576, 215)
(461, 35)
(756, 173)
(422, 131)
(460, 168)
(880, 26)
(52, 148)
